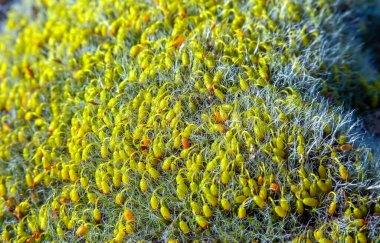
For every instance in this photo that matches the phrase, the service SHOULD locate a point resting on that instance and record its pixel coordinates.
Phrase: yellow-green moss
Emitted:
(183, 120)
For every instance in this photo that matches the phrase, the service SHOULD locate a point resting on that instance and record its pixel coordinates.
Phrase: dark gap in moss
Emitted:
(4, 7)
(371, 43)
(371, 37)
(366, 19)
(372, 121)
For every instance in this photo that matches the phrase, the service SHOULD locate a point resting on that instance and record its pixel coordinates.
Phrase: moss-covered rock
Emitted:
(183, 120)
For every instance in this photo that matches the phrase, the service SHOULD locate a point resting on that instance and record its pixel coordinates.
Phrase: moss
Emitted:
(123, 120)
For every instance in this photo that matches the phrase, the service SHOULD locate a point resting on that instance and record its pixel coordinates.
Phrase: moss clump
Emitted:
(193, 120)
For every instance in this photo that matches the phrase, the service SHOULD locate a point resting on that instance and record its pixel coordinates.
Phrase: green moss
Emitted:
(204, 108)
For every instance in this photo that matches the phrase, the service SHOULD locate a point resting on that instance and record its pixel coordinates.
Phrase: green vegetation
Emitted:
(185, 120)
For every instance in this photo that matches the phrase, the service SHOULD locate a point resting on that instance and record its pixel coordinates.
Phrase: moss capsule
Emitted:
(332, 207)
(299, 207)
(128, 215)
(97, 215)
(207, 212)
(323, 187)
(153, 173)
(184, 227)
(226, 205)
(105, 187)
(119, 199)
(322, 172)
(3, 190)
(242, 212)
(280, 211)
(81, 231)
(154, 202)
(165, 212)
(143, 185)
(361, 237)
(74, 195)
(259, 201)
(311, 202)
(201, 221)
(343, 173)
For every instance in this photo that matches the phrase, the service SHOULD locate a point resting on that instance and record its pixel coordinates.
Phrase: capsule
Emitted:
(284, 204)
(153, 173)
(81, 231)
(280, 211)
(259, 201)
(357, 213)
(207, 212)
(184, 227)
(201, 221)
(323, 187)
(128, 215)
(359, 222)
(185, 59)
(219, 128)
(263, 193)
(242, 212)
(212, 200)
(225, 177)
(299, 207)
(97, 215)
(349, 239)
(311, 202)
(3, 190)
(105, 187)
(74, 195)
(332, 207)
(361, 237)
(143, 185)
(225, 204)
(343, 172)
(154, 202)
(165, 213)
(322, 172)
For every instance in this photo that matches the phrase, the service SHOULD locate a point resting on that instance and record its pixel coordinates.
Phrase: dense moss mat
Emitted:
(184, 120)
